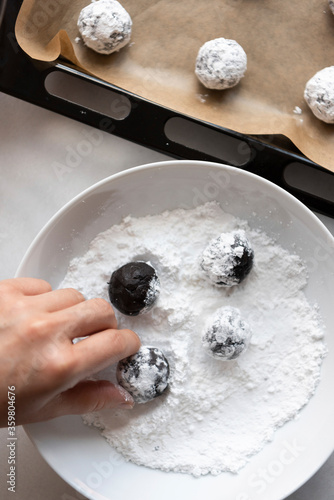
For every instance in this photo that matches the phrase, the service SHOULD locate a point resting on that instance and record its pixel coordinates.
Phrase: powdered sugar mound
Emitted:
(216, 415)
(105, 26)
(319, 94)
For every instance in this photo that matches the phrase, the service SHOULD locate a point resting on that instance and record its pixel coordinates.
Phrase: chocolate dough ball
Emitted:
(227, 335)
(228, 259)
(133, 288)
(105, 26)
(145, 375)
(220, 64)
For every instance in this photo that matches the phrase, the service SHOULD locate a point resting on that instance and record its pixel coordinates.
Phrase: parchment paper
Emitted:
(286, 43)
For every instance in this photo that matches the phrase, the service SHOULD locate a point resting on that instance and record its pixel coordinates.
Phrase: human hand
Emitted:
(38, 358)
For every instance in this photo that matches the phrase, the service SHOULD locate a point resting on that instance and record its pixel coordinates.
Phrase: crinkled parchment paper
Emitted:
(286, 42)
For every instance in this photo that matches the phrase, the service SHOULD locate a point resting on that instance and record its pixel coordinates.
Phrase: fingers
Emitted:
(87, 396)
(58, 299)
(101, 350)
(86, 318)
(27, 286)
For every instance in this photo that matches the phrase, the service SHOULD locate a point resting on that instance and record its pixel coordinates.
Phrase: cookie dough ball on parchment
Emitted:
(220, 64)
(319, 94)
(105, 26)
(331, 5)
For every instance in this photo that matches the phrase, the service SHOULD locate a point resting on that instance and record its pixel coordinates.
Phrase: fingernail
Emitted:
(126, 406)
(128, 401)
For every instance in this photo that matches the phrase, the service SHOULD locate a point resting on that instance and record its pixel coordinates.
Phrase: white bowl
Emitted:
(78, 453)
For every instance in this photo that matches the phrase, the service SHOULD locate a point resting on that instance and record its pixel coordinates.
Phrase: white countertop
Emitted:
(35, 146)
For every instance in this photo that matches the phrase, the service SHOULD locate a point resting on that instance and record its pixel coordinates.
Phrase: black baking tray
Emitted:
(145, 124)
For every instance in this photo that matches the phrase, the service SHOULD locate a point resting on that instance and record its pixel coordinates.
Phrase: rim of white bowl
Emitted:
(159, 165)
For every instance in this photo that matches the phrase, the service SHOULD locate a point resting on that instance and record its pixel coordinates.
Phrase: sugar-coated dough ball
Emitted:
(227, 335)
(319, 94)
(220, 64)
(331, 5)
(145, 375)
(228, 259)
(105, 26)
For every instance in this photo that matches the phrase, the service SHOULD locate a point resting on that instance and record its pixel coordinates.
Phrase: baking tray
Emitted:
(152, 125)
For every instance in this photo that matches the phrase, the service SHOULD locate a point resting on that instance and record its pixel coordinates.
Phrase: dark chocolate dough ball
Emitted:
(133, 288)
(145, 375)
(227, 335)
(228, 259)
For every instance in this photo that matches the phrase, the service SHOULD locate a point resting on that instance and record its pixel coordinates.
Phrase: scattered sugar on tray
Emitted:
(297, 110)
(253, 395)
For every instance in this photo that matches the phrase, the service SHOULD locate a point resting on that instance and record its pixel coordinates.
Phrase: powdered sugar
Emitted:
(152, 293)
(216, 415)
